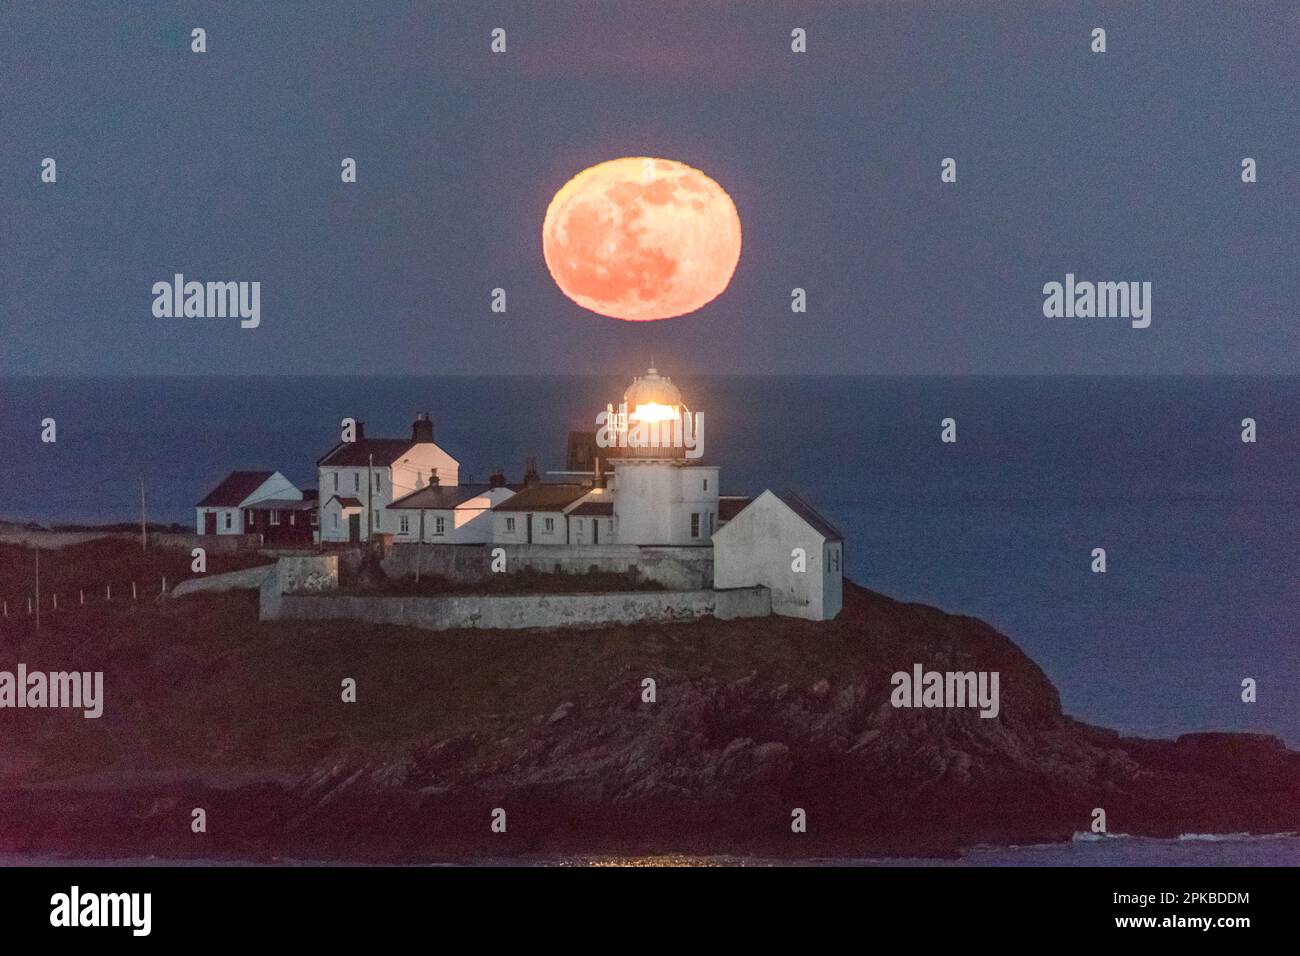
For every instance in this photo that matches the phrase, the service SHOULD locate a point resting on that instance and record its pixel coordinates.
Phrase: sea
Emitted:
(1201, 530)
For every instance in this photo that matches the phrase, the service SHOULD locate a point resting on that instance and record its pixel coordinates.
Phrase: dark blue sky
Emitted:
(225, 166)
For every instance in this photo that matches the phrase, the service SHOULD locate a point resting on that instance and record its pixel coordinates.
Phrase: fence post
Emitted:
(164, 585)
(108, 592)
(132, 590)
(56, 602)
(81, 593)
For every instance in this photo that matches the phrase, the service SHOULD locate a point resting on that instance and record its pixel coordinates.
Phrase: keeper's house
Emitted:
(359, 479)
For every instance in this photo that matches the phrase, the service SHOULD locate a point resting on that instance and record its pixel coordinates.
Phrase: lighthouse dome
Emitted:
(652, 389)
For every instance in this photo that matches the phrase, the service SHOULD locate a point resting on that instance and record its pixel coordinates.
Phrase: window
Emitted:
(510, 524)
(336, 481)
(228, 517)
(580, 524)
(710, 524)
(250, 517)
(377, 485)
(835, 559)
(375, 518)
(706, 484)
(550, 525)
(336, 519)
(292, 517)
(440, 525)
(404, 524)
(315, 517)
(275, 516)
(695, 524)
(356, 481)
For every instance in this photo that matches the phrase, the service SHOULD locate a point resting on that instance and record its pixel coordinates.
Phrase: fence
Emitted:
(31, 605)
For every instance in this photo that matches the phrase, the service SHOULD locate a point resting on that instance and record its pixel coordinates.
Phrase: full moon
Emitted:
(640, 239)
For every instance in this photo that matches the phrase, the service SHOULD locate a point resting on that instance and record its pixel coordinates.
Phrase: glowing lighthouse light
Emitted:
(651, 421)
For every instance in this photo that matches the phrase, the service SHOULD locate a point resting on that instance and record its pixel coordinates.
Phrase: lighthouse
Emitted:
(650, 422)
(663, 495)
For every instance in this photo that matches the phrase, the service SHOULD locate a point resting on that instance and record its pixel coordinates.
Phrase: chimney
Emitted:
(421, 429)
(531, 477)
(433, 477)
(497, 479)
(360, 431)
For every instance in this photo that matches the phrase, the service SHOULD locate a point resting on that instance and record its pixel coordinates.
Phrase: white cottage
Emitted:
(361, 478)
(780, 542)
(222, 511)
(538, 514)
(459, 514)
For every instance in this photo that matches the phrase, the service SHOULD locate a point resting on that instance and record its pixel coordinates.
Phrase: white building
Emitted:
(668, 501)
(222, 510)
(459, 514)
(358, 480)
(539, 514)
(780, 542)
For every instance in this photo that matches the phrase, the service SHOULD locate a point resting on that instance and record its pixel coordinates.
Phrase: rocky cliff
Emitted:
(751, 720)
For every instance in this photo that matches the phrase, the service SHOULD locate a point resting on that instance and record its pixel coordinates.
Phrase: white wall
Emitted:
(654, 501)
(756, 547)
(832, 579)
(334, 521)
(471, 522)
(519, 611)
(510, 527)
(277, 486)
(411, 471)
(582, 530)
(235, 515)
(557, 535)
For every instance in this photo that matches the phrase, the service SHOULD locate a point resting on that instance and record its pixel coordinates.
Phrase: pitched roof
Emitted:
(596, 509)
(346, 502)
(440, 497)
(236, 486)
(357, 453)
(808, 514)
(729, 507)
(544, 498)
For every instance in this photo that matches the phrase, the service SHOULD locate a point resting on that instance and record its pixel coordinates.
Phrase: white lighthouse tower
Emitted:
(663, 495)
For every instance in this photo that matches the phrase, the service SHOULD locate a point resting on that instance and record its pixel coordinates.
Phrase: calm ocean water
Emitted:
(1202, 532)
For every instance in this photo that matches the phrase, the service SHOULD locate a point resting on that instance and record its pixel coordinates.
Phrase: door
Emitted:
(354, 527)
(210, 523)
(595, 531)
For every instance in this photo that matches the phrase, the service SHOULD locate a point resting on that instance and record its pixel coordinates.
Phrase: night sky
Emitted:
(225, 166)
